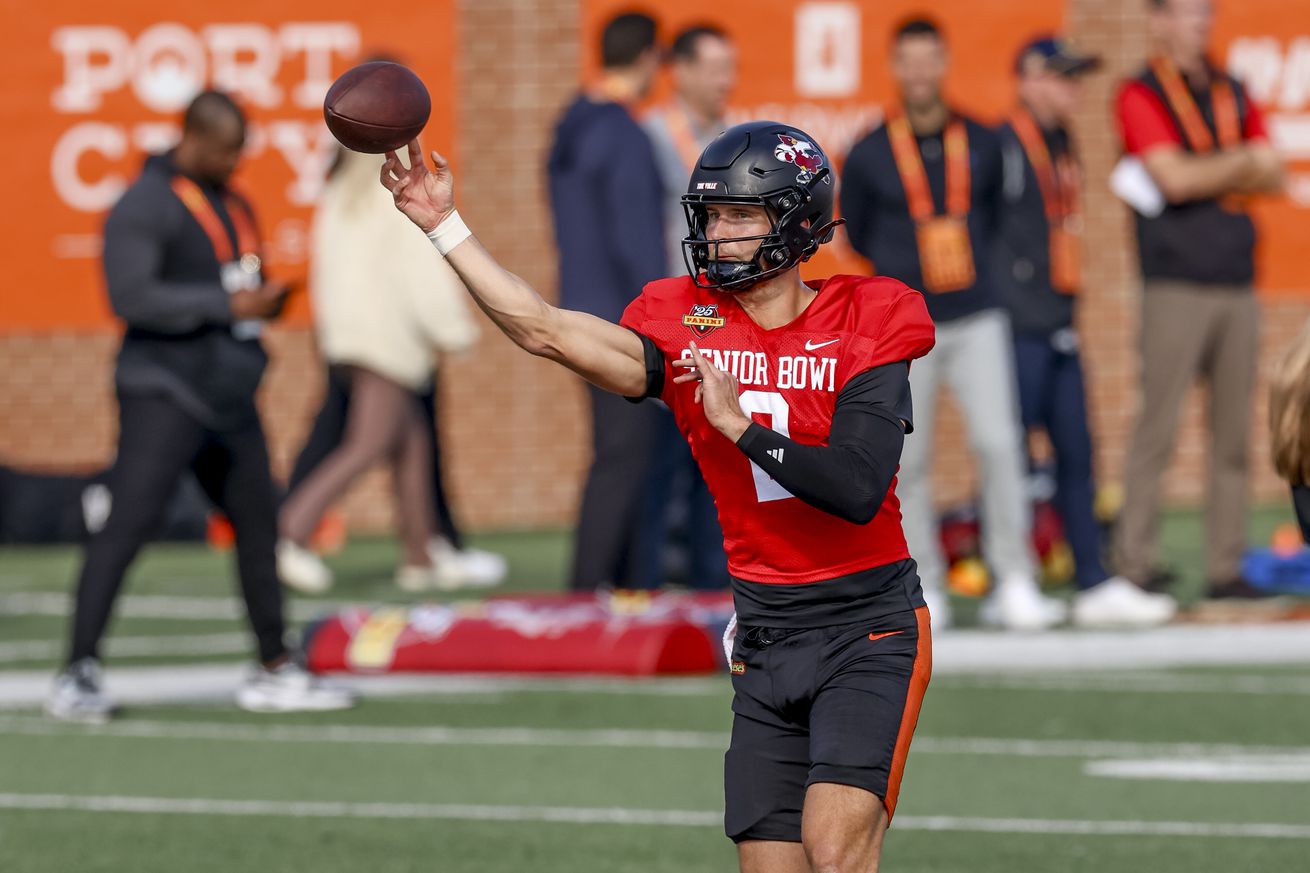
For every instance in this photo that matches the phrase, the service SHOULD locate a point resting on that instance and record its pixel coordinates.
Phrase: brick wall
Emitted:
(515, 427)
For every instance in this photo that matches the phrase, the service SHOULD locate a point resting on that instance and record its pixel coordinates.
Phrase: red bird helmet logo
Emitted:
(801, 153)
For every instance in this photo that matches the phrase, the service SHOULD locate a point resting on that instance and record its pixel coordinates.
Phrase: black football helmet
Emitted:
(761, 163)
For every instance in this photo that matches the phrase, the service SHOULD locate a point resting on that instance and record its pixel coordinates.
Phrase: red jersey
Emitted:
(790, 377)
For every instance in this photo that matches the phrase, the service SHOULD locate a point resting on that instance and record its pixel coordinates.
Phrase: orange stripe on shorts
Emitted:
(910, 714)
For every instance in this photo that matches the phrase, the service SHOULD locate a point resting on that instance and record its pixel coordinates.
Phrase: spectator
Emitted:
(1289, 425)
(182, 261)
(703, 64)
(607, 204)
(1203, 143)
(1039, 273)
(704, 67)
(381, 344)
(920, 196)
(456, 564)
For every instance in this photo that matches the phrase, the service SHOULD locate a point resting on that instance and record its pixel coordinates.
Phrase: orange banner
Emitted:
(91, 87)
(1266, 43)
(824, 66)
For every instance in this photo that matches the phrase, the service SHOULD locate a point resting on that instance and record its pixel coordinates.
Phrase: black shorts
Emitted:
(833, 704)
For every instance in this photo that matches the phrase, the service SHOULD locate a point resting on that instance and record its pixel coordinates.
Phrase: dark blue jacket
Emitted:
(608, 205)
(1023, 241)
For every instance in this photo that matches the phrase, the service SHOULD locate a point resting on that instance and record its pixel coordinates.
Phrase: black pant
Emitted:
(675, 483)
(1301, 503)
(1052, 397)
(622, 435)
(157, 443)
(330, 426)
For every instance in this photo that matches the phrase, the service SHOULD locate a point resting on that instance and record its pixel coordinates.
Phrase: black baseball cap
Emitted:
(1057, 56)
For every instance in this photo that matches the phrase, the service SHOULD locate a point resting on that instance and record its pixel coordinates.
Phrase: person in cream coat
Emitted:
(382, 322)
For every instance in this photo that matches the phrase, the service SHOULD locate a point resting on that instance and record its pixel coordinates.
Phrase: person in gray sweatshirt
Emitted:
(184, 270)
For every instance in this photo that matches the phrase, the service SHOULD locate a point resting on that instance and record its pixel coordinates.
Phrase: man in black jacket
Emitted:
(920, 196)
(182, 261)
(1038, 270)
(607, 201)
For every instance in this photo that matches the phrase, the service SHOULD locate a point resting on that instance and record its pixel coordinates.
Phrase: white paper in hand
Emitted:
(1132, 184)
(729, 634)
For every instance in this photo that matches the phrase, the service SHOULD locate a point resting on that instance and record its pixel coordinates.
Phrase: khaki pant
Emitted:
(1189, 331)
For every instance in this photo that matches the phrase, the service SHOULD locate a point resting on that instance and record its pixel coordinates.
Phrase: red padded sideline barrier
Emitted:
(629, 634)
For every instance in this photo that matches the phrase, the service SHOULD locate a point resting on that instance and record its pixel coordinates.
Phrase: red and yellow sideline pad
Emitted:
(612, 633)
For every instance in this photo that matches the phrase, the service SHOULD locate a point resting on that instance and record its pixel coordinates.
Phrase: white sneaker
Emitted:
(1018, 604)
(939, 608)
(301, 569)
(1117, 602)
(415, 578)
(483, 569)
(465, 568)
(76, 695)
(290, 688)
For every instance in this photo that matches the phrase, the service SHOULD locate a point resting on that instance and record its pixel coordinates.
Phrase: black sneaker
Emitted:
(1161, 581)
(1236, 588)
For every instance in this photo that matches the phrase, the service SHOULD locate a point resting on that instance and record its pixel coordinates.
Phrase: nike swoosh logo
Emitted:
(876, 637)
(811, 346)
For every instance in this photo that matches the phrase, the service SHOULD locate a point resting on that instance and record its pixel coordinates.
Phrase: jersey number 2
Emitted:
(774, 405)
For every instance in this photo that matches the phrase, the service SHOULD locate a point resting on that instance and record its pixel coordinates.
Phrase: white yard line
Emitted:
(1245, 768)
(217, 682)
(1128, 681)
(1026, 748)
(972, 652)
(210, 683)
(1078, 827)
(954, 652)
(604, 737)
(161, 606)
(422, 736)
(178, 644)
(301, 809)
(615, 816)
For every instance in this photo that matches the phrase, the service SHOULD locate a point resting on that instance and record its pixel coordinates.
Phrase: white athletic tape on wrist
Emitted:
(449, 233)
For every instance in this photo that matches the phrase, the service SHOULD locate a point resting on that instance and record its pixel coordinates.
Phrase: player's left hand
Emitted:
(717, 391)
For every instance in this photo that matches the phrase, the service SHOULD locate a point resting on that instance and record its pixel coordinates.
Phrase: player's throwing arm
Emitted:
(604, 354)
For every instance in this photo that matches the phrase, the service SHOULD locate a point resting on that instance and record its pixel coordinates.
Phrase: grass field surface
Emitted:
(1024, 767)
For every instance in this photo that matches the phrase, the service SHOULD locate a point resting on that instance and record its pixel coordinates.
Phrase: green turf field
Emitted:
(1065, 774)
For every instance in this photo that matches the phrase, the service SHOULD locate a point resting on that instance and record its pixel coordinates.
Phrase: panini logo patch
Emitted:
(703, 318)
(737, 668)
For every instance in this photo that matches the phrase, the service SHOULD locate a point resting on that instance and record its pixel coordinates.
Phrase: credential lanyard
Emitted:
(1222, 99)
(909, 163)
(1058, 179)
(248, 247)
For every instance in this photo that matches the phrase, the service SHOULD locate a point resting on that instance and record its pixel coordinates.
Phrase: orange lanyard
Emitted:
(1058, 179)
(909, 163)
(1222, 100)
(684, 140)
(203, 211)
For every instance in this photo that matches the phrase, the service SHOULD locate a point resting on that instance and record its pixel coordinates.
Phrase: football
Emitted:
(376, 107)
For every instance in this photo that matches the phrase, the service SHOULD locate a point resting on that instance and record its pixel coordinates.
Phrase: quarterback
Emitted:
(795, 399)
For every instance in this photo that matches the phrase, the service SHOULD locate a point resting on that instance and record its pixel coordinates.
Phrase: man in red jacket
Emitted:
(1203, 143)
(795, 399)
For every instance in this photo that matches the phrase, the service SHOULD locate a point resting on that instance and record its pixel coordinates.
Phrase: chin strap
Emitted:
(733, 274)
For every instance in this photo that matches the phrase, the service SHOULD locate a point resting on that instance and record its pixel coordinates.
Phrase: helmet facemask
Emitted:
(791, 240)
